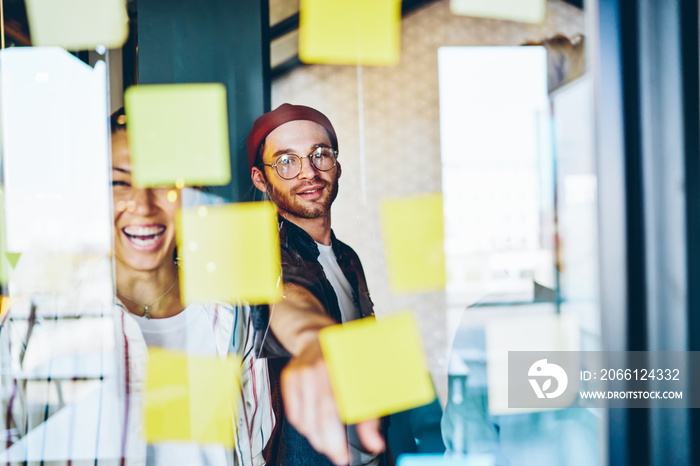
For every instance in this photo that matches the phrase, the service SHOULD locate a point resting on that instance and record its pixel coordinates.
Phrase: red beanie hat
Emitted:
(279, 116)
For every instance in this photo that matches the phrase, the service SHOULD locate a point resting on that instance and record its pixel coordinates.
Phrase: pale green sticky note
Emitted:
(230, 252)
(376, 367)
(78, 24)
(13, 258)
(526, 11)
(178, 134)
(413, 232)
(350, 32)
(191, 398)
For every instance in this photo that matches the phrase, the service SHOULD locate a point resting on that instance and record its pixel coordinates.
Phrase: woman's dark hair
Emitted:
(117, 122)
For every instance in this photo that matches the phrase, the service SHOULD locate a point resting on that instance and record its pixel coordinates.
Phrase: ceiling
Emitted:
(284, 25)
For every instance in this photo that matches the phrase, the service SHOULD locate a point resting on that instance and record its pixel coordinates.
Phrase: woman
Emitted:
(151, 314)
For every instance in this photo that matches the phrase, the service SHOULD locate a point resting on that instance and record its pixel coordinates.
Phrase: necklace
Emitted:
(146, 306)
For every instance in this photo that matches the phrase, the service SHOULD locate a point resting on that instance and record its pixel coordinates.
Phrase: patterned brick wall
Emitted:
(392, 147)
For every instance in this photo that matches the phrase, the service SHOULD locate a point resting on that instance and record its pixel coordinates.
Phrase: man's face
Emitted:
(312, 192)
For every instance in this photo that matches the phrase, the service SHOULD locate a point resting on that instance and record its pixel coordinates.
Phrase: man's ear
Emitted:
(340, 170)
(258, 179)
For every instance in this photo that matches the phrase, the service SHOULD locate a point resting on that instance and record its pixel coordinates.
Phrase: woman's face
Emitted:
(144, 219)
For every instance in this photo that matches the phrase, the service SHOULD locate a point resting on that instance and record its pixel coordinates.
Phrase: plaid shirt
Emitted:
(72, 387)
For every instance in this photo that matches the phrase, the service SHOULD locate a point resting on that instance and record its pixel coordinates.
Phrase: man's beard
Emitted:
(288, 202)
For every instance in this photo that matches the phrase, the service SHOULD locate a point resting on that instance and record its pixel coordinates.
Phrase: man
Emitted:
(292, 155)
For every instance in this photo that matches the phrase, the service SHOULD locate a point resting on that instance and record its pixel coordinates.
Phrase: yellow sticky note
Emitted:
(4, 304)
(191, 398)
(526, 11)
(377, 367)
(78, 24)
(413, 232)
(230, 252)
(178, 134)
(350, 32)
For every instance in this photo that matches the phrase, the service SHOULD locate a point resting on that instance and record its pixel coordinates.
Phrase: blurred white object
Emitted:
(548, 332)
(55, 151)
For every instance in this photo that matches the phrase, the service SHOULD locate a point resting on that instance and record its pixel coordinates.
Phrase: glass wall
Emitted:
(505, 132)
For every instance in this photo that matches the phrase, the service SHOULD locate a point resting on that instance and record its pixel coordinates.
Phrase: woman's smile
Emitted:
(144, 237)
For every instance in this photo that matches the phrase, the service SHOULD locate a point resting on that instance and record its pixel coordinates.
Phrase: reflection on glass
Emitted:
(57, 339)
(498, 206)
(55, 153)
(519, 237)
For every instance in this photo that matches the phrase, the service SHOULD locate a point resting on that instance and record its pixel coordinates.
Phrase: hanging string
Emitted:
(361, 125)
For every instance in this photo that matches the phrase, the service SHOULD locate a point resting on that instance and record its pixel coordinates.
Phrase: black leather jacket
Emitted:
(299, 254)
(300, 265)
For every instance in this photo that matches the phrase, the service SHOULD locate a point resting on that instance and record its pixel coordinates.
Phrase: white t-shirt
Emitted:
(340, 284)
(348, 312)
(189, 331)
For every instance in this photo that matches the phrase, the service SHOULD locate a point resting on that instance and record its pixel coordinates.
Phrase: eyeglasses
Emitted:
(288, 166)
